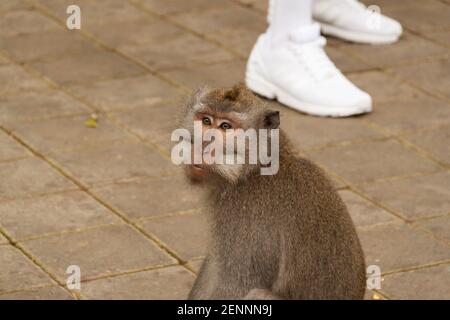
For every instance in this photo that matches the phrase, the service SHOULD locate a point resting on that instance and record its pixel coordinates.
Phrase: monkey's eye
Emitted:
(206, 121)
(225, 126)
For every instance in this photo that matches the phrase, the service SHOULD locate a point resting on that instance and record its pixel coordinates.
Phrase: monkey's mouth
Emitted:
(197, 167)
(197, 171)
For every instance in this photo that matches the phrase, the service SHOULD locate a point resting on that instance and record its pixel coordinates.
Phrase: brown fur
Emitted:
(285, 236)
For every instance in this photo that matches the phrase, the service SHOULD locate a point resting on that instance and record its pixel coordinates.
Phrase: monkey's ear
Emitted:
(200, 93)
(195, 99)
(271, 119)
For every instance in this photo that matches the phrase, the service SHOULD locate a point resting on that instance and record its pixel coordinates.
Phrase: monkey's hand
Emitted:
(261, 294)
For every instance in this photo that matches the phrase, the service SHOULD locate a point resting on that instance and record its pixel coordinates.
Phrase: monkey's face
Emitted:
(218, 121)
(210, 154)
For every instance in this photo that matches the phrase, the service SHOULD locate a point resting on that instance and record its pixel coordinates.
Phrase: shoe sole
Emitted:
(268, 90)
(358, 37)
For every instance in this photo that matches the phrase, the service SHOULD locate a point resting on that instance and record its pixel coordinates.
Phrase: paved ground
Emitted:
(109, 200)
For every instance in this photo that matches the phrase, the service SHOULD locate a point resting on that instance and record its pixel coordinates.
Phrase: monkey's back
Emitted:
(294, 231)
(324, 241)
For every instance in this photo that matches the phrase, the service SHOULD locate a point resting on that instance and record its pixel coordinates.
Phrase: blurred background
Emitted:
(85, 122)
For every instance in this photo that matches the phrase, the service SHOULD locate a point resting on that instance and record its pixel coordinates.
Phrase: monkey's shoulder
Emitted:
(305, 187)
(304, 171)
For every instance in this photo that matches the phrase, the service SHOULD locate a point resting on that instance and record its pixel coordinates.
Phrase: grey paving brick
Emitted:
(152, 197)
(47, 293)
(30, 176)
(432, 76)
(435, 142)
(124, 94)
(409, 50)
(181, 6)
(146, 30)
(95, 13)
(53, 213)
(415, 197)
(72, 133)
(363, 212)
(382, 87)
(222, 22)
(114, 163)
(186, 234)
(181, 50)
(362, 162)
(256, 4)
(3, 240)
(232, 25)
(18, 272)
(25, 22)
(14, 79)
(3, 61)
(155, 123)
(166, 283)
(38, 105)
(217, 75)
(308, 132)
(397, 246)
(422, 16)
(89, 67)
(11, 149)
(46, 45)
(442, 37)
(424, 284)
(401, 116)
(440, 227)
(98, 252)
(7, 5)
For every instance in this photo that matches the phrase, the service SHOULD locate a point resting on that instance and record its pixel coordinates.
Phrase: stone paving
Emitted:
(109, 200)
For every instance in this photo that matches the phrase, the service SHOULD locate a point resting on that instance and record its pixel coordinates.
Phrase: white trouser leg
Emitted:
(287, 15)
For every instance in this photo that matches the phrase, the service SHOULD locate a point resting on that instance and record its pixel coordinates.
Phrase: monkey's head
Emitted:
(222, 116)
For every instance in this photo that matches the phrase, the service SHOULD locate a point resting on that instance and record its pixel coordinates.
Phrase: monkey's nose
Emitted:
(197, 155)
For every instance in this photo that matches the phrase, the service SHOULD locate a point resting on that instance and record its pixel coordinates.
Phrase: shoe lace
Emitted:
(312, 55)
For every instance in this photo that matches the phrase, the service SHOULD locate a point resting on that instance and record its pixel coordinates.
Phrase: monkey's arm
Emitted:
(292, 270)
(205, 283)
(200, 283)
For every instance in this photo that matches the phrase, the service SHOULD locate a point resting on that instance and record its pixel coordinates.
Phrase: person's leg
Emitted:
(289, 63)
(287, 15)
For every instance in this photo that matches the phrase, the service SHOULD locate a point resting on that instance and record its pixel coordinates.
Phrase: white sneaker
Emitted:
(299, 74)
(352, 21)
